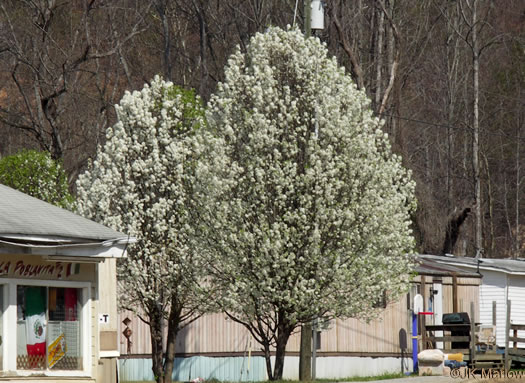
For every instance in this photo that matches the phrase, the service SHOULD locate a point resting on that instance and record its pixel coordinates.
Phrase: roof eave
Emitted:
(61, 250)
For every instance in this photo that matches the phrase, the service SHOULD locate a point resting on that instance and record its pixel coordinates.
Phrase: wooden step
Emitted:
(487, 364)
(488, 357)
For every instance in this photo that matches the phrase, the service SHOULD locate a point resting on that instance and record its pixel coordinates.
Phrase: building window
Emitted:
(49, 328)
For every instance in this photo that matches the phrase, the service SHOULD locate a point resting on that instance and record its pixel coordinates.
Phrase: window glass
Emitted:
(48, 328)
(31, 327)
(64, 349)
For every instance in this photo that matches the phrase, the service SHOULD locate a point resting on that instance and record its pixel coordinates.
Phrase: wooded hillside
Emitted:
(448, 78)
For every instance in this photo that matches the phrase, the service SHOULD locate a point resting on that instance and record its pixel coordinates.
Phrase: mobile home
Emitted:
(215, 347)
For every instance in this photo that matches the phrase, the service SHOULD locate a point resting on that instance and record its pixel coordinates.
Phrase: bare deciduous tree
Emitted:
(61, 61)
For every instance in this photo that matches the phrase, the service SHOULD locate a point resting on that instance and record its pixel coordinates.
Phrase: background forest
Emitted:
(448, 78)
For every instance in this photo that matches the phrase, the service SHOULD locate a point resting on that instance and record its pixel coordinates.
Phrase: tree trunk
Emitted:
(268, 360)
(452, 231)
(162, 10)
(173, 329)
(155, 325)
(283, 334)
(517, 241)
(203, 41)
(452, 64)
(475, 127)
(279, 358)
(490, 203)
(379, 32)
(355, 68)
(392, 56)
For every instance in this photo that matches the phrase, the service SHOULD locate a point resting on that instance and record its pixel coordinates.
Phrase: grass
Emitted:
(349, 379)
(392, 375)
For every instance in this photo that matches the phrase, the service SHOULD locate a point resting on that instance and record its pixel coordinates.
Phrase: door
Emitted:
(437, 308)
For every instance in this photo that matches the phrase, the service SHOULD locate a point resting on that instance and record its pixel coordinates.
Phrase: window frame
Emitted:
(10, 341)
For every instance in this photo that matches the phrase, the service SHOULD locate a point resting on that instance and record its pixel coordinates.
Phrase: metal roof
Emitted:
(31, 223)
(504, 265)
(429, 266)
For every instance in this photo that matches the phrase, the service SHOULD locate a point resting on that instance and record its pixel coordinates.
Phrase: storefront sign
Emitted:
(57, 270)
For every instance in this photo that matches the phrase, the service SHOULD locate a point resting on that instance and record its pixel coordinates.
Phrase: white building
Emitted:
(502, 280)
(58, 303)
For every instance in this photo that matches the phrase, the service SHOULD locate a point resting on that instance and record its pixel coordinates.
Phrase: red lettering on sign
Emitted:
(28, 270)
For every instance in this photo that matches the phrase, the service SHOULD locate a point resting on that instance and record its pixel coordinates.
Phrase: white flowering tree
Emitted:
(315, 216)
(144, 182)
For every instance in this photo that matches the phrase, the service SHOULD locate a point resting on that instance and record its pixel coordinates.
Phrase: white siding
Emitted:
(348, 366)
(517, 298)
(493, 289)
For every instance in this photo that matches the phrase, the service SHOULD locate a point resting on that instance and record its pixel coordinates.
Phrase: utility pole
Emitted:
(305, 353)
(307, 18)
(313, 18)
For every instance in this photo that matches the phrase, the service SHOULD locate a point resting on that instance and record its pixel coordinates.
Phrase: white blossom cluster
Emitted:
(144, 183)
(314, 215)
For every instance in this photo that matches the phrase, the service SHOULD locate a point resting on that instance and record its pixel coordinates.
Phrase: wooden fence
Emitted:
(514, 353)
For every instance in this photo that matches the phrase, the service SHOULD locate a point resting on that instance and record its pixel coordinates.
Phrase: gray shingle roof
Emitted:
(22, 215)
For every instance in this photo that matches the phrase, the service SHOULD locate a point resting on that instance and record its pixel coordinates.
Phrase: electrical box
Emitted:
(317, 14)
